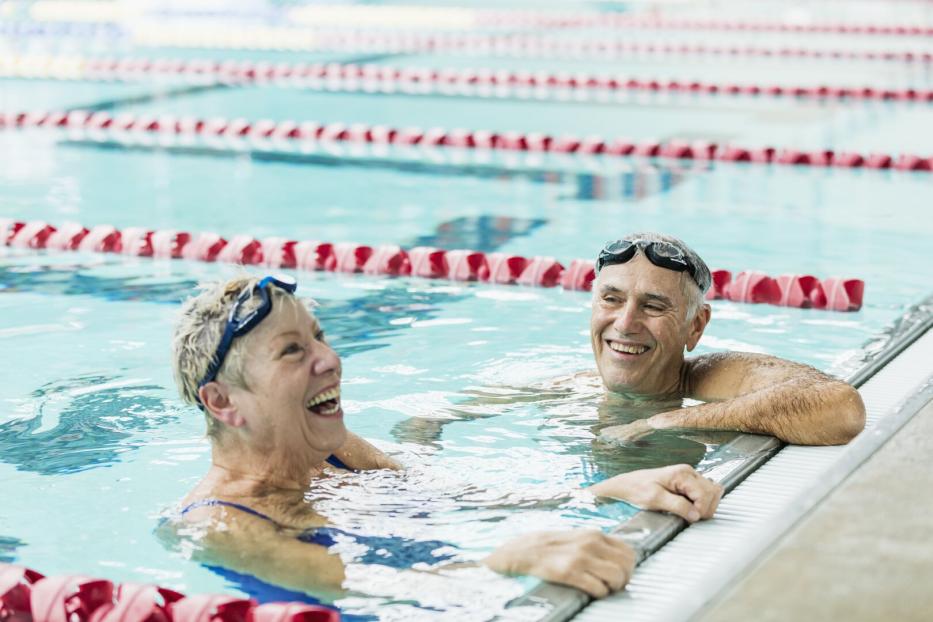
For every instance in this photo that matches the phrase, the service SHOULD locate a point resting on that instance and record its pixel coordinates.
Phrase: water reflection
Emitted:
(82, 422)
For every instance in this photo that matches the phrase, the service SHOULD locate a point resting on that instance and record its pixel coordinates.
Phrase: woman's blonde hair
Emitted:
(198, 331)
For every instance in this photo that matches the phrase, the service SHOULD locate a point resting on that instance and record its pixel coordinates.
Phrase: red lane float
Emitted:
(135, 602)
(16, 584)
(802, 291)
(788, 290)
(69, 598)
(28, 596)
(355, 78)
(483, 139)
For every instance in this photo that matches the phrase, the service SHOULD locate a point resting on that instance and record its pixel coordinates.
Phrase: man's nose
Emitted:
(627, 319)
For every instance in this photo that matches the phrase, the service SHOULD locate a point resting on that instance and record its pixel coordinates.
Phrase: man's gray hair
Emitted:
(695, 295)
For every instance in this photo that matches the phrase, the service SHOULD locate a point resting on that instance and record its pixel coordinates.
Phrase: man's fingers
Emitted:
(703, 493)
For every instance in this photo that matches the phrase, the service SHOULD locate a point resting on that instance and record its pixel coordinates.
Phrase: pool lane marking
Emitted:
(750, 286)
(287, 132)
(349, 77)
(630, 182)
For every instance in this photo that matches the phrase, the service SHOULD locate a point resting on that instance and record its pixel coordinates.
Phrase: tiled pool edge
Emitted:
(649, 592)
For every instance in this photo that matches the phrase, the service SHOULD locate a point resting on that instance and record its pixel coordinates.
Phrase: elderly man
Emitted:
(648, 308)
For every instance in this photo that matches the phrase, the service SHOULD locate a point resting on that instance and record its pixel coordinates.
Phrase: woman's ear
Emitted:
(216, 399)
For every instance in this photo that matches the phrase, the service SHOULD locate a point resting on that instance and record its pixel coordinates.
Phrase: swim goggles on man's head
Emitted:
(661, 254)
(238, 326)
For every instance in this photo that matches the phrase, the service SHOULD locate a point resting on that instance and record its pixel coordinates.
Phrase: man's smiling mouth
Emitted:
(626, 348)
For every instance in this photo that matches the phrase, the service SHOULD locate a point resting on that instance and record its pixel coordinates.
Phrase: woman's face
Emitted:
(292, 403)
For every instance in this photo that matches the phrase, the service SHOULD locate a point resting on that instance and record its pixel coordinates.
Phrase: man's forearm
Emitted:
(795, 411)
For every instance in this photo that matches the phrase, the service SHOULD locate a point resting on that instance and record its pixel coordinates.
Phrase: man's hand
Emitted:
(678, 489)
(588, 560)
(628, 433)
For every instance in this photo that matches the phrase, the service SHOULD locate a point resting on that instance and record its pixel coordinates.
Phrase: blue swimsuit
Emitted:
(391, 551)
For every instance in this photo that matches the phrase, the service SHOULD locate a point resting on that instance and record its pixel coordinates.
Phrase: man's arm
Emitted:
(766, 395)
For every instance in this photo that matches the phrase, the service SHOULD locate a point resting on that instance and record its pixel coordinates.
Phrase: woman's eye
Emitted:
(292, 348)
(319, 335)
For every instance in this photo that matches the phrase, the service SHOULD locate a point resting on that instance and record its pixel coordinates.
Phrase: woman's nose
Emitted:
(325, 360)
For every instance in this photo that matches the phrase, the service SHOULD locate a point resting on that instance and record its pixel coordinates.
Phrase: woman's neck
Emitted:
(259, 473)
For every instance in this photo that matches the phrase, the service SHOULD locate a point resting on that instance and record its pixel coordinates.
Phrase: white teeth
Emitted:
(618, 347)
(330, 394)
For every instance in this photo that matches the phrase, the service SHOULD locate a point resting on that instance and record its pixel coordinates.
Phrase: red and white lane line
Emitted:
(510, 46)
(381, 78)
(101, 123)
(789, 290)
(631, 21)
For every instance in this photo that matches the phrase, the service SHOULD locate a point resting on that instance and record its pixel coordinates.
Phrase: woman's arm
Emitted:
(358, 453)
(250, 545)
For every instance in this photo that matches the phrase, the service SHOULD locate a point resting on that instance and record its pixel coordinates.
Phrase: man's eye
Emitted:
(655, 308)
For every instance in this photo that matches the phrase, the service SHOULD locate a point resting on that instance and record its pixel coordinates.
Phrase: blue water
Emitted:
(95, 445)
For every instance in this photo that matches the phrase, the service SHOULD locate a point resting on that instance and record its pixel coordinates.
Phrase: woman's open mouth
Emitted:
(326, 403)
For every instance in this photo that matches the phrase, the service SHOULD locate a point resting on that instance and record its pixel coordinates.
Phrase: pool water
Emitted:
(454, 379)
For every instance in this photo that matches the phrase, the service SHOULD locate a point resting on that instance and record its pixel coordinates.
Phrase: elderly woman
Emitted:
(254, 359)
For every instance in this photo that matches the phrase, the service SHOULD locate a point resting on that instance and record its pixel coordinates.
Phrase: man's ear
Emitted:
(216, 399)
(697, 326)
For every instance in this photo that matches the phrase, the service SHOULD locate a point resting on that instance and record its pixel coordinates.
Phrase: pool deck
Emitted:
(865, 553)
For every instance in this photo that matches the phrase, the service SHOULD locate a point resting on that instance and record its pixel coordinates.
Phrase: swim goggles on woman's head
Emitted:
(238, 326)
(661, 254)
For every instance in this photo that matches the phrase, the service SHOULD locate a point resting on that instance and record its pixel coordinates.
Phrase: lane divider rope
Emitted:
(27, 595)
(369, 77)
(555, 19)
(495, 45)
(790, 290)
(524, 46)
(530, 142)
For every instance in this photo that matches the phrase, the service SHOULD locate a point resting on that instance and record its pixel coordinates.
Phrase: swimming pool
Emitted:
(91, 426)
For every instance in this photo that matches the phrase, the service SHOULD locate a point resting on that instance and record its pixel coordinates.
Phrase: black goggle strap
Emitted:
(236, 328)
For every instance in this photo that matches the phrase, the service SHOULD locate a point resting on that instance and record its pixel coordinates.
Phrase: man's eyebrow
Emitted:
(609, 289)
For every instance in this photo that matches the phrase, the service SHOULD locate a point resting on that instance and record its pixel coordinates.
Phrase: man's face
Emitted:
(639, 327)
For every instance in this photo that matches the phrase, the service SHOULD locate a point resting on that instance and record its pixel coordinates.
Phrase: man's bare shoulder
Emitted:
(721, 375)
